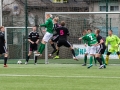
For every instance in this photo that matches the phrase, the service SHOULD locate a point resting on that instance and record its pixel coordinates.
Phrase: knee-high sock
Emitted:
(99, 60)
(53, 46)
(103, 60)
(5, 60)
(73, 52)
(41, 48)
(28, 57)
(119, 56)
(107, 59)
(91, 59)
(35, 59)
(85, 59)
(95, 60)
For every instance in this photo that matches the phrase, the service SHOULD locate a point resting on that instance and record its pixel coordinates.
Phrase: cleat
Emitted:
(26, 63)
(104, 66)
(54, 51)
(101, 67)
(5, 66)
(83, 64)
(89, 66)
(75, 58)
(56, 57)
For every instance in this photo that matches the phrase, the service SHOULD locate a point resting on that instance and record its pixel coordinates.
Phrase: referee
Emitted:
(2, 45)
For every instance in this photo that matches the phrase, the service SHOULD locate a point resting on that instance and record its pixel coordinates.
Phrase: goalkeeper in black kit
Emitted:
(63, 32)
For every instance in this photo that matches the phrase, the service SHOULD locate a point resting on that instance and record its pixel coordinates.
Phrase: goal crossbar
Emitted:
(82, 12)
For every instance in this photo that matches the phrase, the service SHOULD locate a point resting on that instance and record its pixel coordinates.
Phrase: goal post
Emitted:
(78, 21)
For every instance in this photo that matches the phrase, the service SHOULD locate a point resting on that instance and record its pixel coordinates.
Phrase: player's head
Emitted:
(2, 28)
(55, 20)
(34, 28)
(62, 23)
(84, 32)
(48, 16)
(89, 30)
(110, 32)
(97, 31)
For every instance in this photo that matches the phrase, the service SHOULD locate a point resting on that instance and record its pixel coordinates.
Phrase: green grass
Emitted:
(59, 77)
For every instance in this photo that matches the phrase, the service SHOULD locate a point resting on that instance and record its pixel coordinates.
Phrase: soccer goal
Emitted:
(76, 22)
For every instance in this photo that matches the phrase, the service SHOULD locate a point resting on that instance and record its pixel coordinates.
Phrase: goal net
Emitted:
(76, 22)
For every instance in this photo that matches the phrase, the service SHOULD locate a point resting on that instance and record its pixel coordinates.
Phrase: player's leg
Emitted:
(107, 57)
(35, 50)
(45, 39)
(92, 54)
(4, 51)
(95, 61)
(118, 53)
(85, 59)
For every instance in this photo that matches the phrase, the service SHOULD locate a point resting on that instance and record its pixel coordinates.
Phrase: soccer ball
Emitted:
(19, 62)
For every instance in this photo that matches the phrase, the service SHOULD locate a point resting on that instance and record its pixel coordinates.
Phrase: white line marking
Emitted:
(50, 76)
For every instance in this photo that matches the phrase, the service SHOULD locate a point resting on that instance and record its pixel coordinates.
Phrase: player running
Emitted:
(114, 42)
(92, 42)
(49, 33)
(55, 38)
(63, 32)
(2, 45)
(101, 50)
(87, 52)
(33, 38)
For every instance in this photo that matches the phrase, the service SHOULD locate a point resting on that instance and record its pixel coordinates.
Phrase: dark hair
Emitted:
(62, 23)
(111, 30)
(98, 31)
(89, 29)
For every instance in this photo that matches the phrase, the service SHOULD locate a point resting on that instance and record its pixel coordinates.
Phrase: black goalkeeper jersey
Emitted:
(2, 39)
(62, 32)
(33, 36)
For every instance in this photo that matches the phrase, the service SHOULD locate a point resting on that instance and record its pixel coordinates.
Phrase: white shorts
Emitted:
(94, 49)
(47, 36)
(87, 50)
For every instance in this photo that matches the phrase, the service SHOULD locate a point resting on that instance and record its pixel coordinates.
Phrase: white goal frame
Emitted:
(46, 48)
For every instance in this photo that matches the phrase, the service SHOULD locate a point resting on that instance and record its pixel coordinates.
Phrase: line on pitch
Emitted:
(49, 76)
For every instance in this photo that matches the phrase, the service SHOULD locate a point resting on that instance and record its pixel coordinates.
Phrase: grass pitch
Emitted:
(59, 77)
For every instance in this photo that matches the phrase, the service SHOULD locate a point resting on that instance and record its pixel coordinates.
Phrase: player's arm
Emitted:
(106, 43)
(38, 39)
(29, 38)
(45, 24)
(68, 32)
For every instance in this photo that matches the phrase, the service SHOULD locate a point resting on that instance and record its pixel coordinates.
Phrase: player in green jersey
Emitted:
(87, 52)
(92, 42)
(114, 41)
(49, 33)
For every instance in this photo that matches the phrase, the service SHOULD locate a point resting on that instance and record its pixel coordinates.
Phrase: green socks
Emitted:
(103, 60)
(91, 59)
(41, 48)
(85, 59)
(95, 60)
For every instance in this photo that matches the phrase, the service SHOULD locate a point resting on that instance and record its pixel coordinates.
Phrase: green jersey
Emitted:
(90, 38)
(113, 40)
(49, 25)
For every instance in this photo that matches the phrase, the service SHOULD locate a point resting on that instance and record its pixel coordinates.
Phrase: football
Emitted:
(19, 62)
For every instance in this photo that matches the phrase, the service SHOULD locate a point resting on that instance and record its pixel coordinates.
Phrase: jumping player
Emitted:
(92, 42)
(34, 40)
(63, 32)
(114, 42)
(101, 50)
(87, 51)
(55, 38)
(49, 33)
(2, 45)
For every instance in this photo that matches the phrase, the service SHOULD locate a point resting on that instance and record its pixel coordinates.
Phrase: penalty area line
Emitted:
(50, 76)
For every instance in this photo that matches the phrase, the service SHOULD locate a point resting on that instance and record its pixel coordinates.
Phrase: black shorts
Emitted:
(63, 43)
(101, 49)
(33, 47)
(55, 38)
(3, 50)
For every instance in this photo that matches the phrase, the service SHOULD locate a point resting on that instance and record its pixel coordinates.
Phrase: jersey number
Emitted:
(61, 32)
(91, 38)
